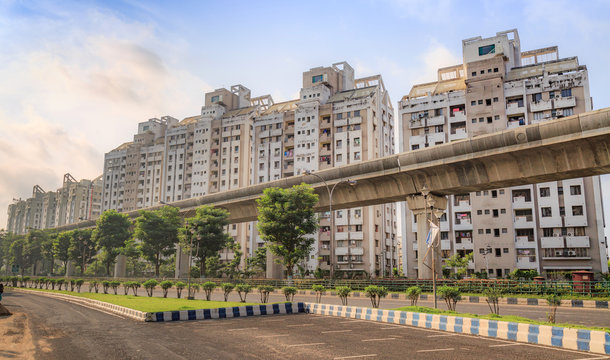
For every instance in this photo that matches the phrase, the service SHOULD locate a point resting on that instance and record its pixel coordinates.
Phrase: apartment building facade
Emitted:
(551, 227)
(239, 140)
(73, 202)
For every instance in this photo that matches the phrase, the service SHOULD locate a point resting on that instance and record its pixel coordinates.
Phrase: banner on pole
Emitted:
(431, 233)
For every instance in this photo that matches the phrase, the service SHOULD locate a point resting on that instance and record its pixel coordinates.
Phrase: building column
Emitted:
(182, 263)
(423, 209)
(69, 268)
(120, 268)
(274, 270)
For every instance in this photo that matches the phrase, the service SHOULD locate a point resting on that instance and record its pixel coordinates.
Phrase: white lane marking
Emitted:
(595, 358)
(432, 350)
(441, 335)
(95, 308)
(499, 345)
(299, 325)
(312, 344)
(354, 356)
(272, 336)
(335, 331)
(382, 339)
(240, 329)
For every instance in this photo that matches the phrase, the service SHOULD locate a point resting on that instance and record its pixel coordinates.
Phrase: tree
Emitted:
(376, 293)
(61, 245)
(413, 293)
(459, 263)
(208, 287)
(132, 252)
(231, 269)
(227, 288)
(451, 295)
(257, 263)
(554, 302)
(206, 231)
(48, 252)
(286, 222)
(289, 292)
(493, 295)
(158, 231)
(243, 290)
(32, 253)
(343, 293)
(320, 290)
(212, 266)
(112, 229)
(82, 248)
(17, 253)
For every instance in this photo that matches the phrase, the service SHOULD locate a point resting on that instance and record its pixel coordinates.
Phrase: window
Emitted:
(568, 112)
(495, 69)
(339, 116)
(480, 102)
(575, 190)
(497, 232)
(536, 97)
(566, 92)
(414, 147)
(488, 102)
(551, 94)
(545, 192)
(495, 99)
(356, 141)
(317, 78)
(547, 232)
(494, 193)
(356, 113)
(357, 155)
(215, 98)
(339, 157)
(498, 252)
(502, 211)
(479, 212)
(539, 115)
(546, 212)
(577, 210)
(474, 121)
(560, 190)
(495, 213)
(473, 103)
(488, 49)
(505, 250)
(481, 231)
(474, 73)
(438, 129)
(486, 211)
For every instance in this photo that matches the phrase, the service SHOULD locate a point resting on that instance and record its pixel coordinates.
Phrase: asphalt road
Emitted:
(62, 330)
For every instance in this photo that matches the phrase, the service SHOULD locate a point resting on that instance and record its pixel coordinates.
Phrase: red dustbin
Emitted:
(582, 281)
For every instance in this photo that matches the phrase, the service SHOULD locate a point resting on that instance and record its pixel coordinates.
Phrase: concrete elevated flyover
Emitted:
(565, 148)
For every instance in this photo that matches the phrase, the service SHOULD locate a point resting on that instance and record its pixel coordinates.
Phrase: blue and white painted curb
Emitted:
(568, 338)
(230, 312)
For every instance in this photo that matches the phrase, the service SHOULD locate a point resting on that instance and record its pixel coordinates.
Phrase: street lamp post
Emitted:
(436, 213)
(332, 216)
(487, 252)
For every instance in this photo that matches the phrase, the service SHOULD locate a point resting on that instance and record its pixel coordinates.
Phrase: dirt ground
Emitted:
(16, 338)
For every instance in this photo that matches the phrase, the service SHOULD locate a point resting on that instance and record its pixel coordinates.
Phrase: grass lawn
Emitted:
(526, 296)
(151, 304)
(510, 318)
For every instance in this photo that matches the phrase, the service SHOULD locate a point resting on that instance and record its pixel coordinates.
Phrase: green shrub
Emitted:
(265, 290)
(493, 296)
(126, 287)
(227, 288)
(150, 286)
(375, 293)
(114, 284)
(289, 292)
(320, 290)
(413, 293)
(105, 286)
(135, 285)
(243, 290)
(79, 283)
(193, 288)
(343, 292)
(554, 302)
(208, 287)
(94, 284)
(179, 287)
(166, 285)
(451, 295)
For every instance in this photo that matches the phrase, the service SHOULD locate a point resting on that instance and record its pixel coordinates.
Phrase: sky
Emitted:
(76, 77)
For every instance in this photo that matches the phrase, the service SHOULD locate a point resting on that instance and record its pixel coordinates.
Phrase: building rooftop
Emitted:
(281, 107)
(353, 94)
(435, 88)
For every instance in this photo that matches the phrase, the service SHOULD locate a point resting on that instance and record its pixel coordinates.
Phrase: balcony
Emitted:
(342, 122)
(515, 108)
(437, 120)
(541, 105)
(524, 242)
(458, 134)
(527, 262)
(521, 202)
(436, 137)
(275, 132)
(458, 116)
(417, 123)
(564, 102)
(578, 242)
(462, 205)
(465, 244)
(551, 242)
(445, 244)
(524, 221)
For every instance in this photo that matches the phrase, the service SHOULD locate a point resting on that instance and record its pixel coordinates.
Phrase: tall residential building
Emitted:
(73, 202)
(551, 227)
(239, 140)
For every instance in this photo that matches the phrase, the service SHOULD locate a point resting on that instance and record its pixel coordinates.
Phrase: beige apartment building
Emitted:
(239, 140)
(550, 227)
(73, 202)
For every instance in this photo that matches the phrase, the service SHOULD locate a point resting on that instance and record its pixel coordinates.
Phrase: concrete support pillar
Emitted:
(423, 208)
(120, 268)
(274, 271)
(69, 268)
(182, 263)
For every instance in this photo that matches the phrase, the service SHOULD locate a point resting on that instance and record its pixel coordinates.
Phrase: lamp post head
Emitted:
(352, 182)
(307, 172)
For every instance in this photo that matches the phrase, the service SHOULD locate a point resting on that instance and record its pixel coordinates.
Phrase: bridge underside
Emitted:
(566, 148)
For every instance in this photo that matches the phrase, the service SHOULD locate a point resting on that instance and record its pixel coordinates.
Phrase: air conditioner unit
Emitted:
(353, 242)
(571, 252)
(569, 234)
(558, 253)
(555, 235)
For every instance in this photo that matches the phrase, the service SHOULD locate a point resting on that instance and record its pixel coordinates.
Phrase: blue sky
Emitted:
(78, 76)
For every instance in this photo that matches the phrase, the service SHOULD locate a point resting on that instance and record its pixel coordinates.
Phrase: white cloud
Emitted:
(65, 101)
